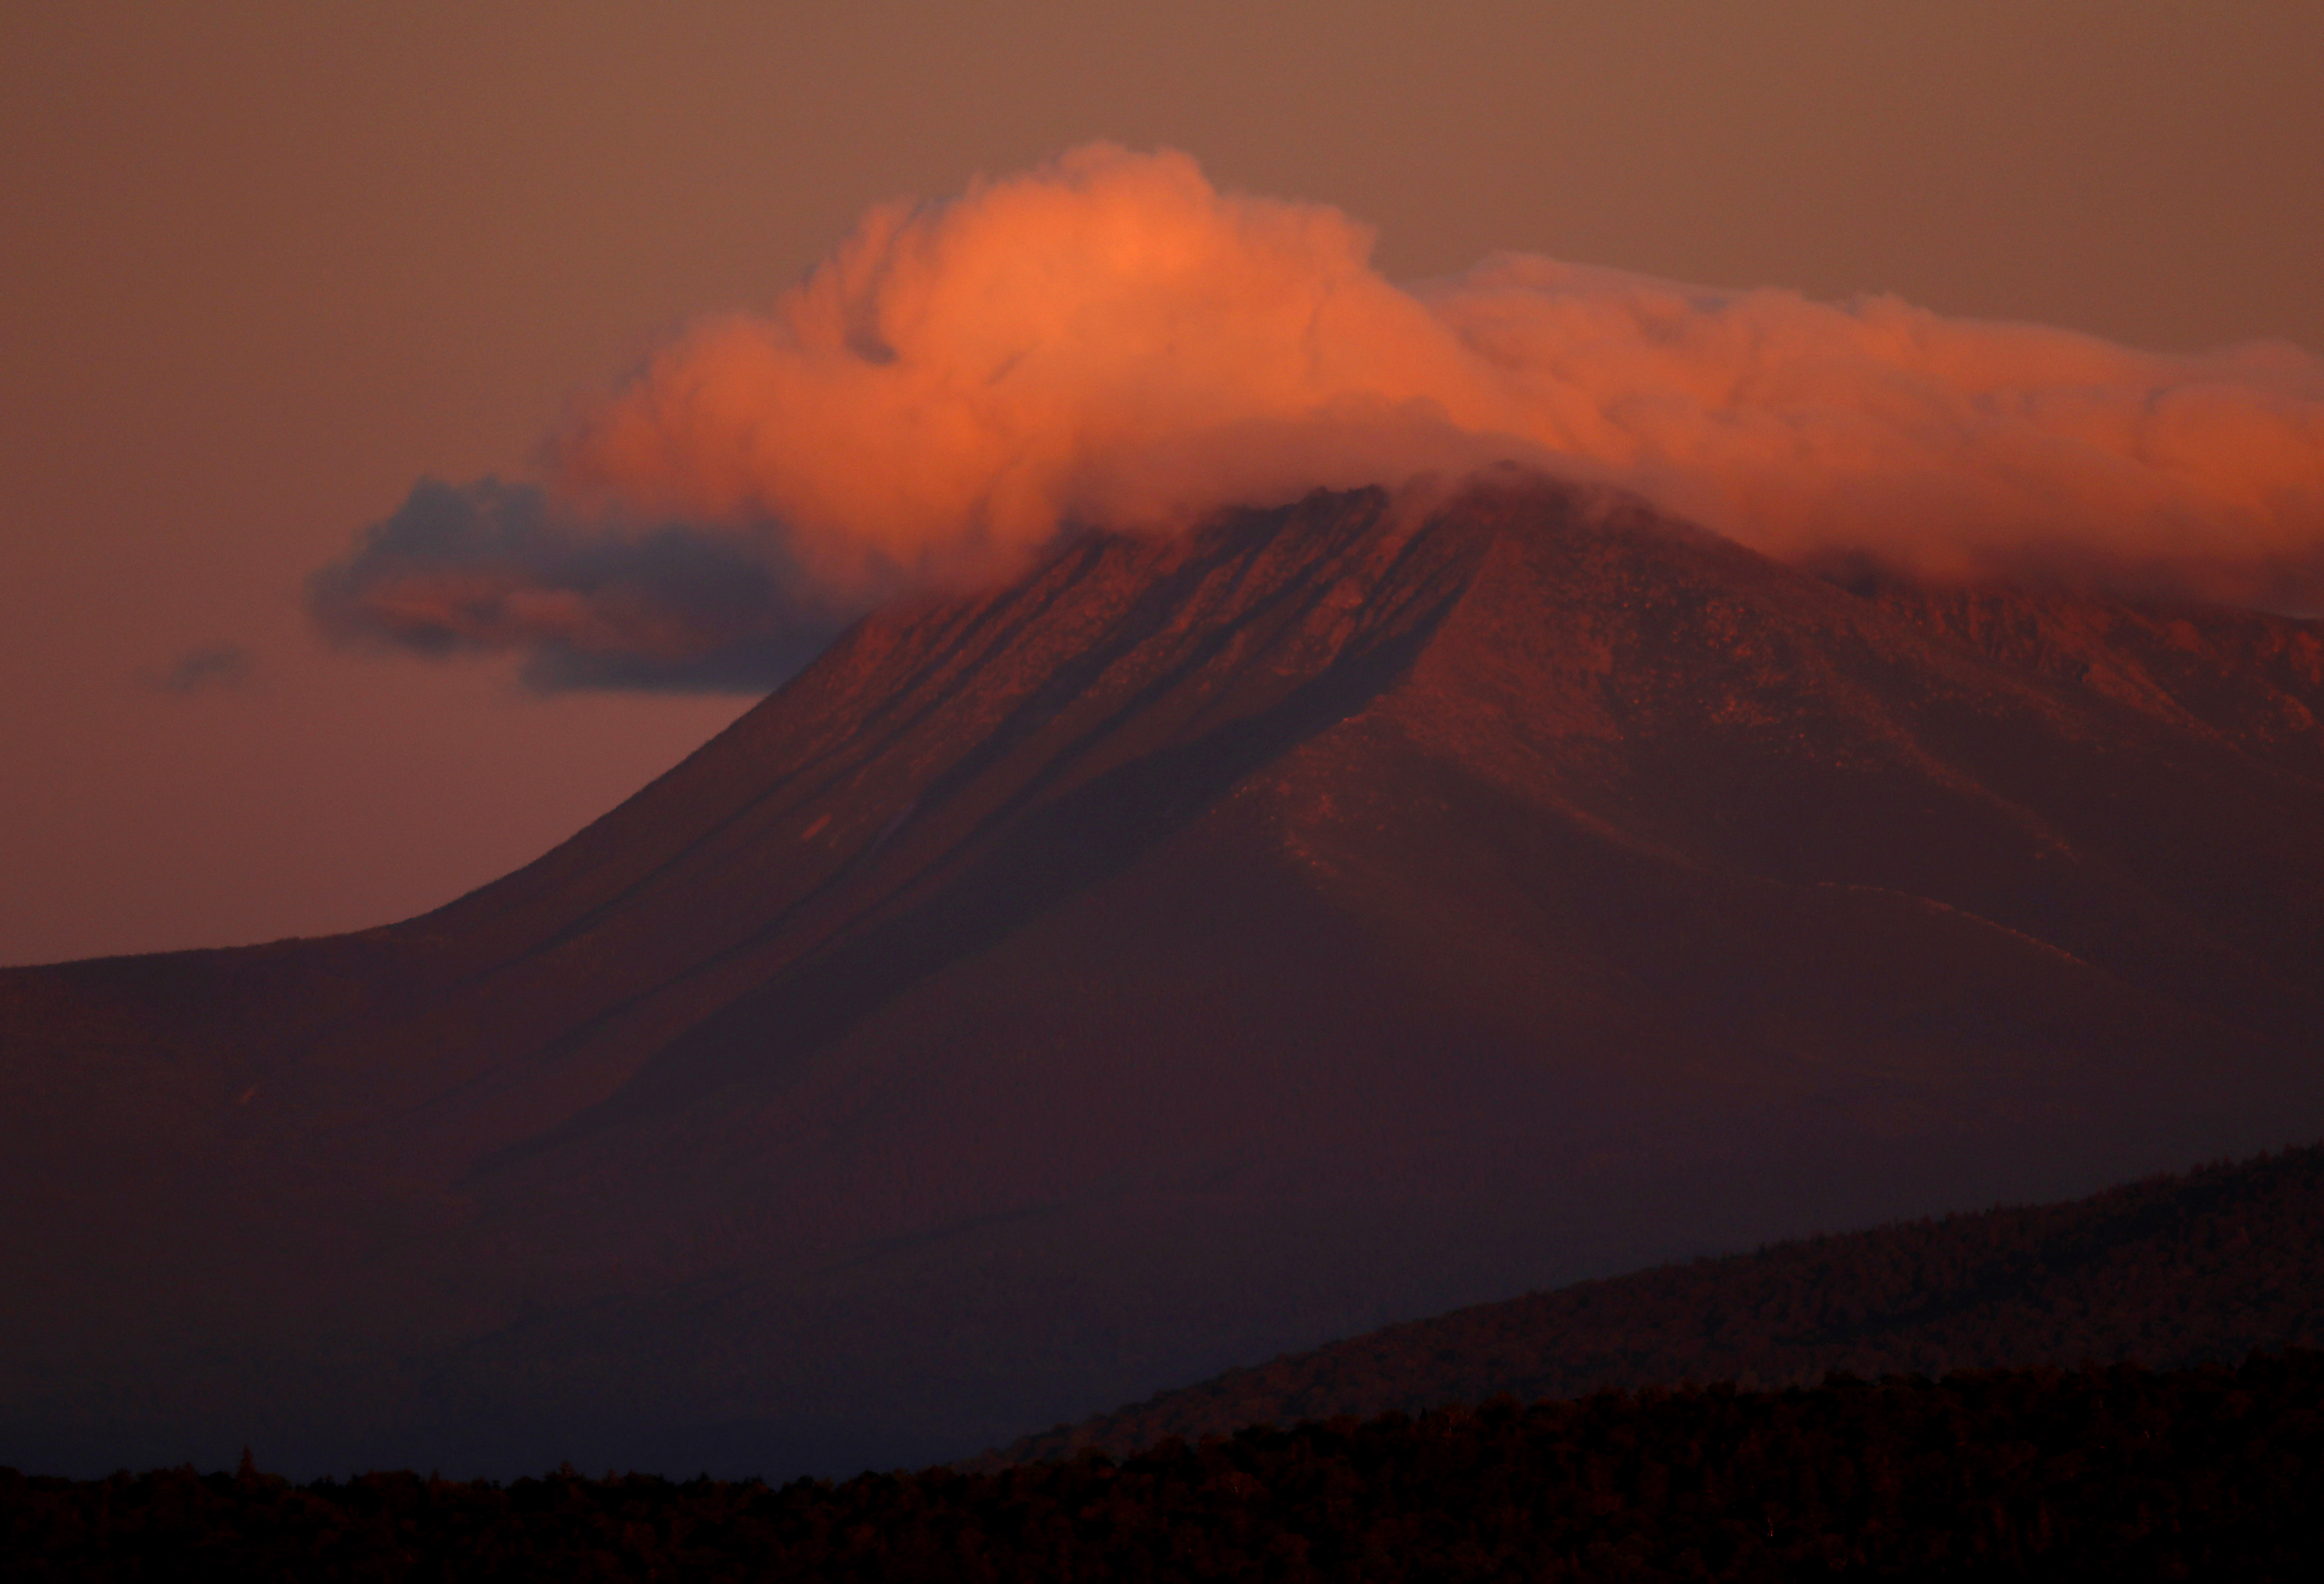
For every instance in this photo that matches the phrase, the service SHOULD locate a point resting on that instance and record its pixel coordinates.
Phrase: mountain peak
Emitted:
(1204, 945)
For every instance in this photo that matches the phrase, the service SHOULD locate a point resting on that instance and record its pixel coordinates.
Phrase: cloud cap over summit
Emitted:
(1109, 340)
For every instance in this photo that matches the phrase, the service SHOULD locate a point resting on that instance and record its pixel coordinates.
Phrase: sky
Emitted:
(268, 268)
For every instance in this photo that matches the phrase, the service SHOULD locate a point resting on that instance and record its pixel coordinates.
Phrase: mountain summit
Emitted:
(1206, 947)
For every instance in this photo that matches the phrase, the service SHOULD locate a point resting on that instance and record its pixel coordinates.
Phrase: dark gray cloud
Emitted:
(218, 665)
(493, 568)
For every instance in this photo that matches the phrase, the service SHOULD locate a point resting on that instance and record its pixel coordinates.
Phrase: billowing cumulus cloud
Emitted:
(1109, 340)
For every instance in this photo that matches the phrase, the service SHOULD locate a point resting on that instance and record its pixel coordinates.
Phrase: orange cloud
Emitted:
(1092, 340)
(1109, 339)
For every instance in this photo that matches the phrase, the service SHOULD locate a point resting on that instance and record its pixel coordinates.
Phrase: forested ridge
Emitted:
(2112, 1473)
(2199, 1267)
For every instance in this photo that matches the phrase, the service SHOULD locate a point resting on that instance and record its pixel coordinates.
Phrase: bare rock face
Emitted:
(1205, 947)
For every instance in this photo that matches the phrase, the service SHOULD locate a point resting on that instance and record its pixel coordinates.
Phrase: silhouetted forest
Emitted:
(2104, 1473)
(2198, 1268)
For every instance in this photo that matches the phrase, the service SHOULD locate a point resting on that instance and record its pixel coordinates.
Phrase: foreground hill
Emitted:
(2171, 1272)
(2112, 1474)
(1205, 947)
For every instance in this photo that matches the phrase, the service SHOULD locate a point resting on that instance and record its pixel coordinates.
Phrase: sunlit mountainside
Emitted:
(1204, 947)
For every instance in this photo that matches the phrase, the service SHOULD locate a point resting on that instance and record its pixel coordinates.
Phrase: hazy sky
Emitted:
(266, 266)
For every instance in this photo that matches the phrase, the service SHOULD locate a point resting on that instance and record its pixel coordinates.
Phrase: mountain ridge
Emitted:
(1202, 946)
(2175, 1271)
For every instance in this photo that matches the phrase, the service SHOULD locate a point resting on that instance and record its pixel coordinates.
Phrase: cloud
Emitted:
(222, 665)
(1108, 339)
(492, 566)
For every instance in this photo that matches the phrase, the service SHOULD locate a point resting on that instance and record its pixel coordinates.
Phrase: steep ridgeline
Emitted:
(1205, 947)
(2168, 1273)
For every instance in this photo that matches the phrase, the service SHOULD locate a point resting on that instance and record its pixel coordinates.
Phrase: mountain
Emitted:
(2169, 1273)
(1204, 947)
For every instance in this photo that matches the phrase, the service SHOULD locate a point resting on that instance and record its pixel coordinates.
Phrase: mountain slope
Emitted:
(1202, 947)
(2168, 1273)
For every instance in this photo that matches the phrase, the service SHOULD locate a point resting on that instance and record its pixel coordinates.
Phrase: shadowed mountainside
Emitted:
(1205, 947)
(2168, 1273)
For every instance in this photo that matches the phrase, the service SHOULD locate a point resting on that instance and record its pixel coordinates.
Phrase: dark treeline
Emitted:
(2107, 1473)
(2173, 1271)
